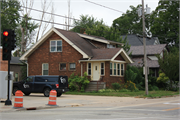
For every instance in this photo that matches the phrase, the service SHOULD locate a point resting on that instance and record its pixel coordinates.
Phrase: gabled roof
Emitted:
(150, 49)
(108, 55)
(84, 47)
(99, 39)
(72, 38)
(135, 40)
(150, 63)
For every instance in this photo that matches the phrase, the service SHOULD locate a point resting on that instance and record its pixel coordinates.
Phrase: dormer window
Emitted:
(111, 46)
(56, 46)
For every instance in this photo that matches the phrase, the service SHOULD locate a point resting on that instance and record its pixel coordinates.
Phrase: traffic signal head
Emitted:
(13, 40)
(6, 44)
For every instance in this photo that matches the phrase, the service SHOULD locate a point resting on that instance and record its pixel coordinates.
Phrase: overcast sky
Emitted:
(82, 7)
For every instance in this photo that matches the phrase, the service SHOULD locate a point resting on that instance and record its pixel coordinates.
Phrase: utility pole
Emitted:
(145, 56)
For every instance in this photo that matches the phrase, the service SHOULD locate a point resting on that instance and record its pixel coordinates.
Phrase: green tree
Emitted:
(10, 16)
(169, 64)
(165, 22)
(85, 22)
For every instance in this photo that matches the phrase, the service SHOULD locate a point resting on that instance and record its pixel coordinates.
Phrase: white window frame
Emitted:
(111, 69)
(122, 69)
(89, 69)
(103, 68)
(55, 46)
(45, 69)
(115, 70)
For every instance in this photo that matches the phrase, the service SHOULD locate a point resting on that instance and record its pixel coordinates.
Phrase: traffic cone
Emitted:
(18, 101)
(52, 98)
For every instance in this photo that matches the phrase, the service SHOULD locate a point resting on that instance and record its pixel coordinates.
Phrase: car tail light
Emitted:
(57, 85)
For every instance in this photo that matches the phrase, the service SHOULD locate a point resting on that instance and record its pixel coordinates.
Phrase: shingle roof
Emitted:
(150, 63)
(15, 60)
(104, 53)
(78, 41)
(150, 49)
(135, 40)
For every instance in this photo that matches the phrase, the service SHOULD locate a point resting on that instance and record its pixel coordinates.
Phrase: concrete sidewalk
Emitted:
(38, 101)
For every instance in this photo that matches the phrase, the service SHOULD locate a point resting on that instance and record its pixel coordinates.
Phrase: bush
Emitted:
(130, 85)
(78, 83)
(116, 86)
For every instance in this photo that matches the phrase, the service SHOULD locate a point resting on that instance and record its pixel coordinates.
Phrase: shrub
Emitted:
(116, 86)
(130, 85)
(78, 83)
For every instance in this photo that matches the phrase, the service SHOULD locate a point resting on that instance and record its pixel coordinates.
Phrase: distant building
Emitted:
(137, 40)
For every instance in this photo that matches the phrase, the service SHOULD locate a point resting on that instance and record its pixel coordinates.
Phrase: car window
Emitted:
(29, 79)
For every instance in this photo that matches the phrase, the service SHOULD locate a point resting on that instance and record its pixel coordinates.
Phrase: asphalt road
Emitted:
(158, 110)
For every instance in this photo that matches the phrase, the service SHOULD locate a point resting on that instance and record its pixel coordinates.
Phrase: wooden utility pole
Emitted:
(145, 56)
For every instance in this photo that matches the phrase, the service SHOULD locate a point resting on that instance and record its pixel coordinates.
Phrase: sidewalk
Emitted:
(38, 101)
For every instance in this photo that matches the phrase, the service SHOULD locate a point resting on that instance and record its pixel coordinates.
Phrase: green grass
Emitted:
(139, 94)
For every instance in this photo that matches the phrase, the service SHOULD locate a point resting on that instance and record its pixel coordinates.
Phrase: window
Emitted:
(16, 77)
(122, 69)
(63, 66)
(45, 69)
(114, 68)
(110, 68)
(89, 68)
(72, 66)
(118, 69)
(111, 46)
(56, 46)
(102, 68)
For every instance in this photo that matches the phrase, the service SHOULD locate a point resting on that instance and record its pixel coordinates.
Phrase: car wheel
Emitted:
(14, 90)
(27, 94)
(46, 92)
(59, 94)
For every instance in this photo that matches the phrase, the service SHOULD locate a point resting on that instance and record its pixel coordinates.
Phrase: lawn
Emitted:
(140, 94)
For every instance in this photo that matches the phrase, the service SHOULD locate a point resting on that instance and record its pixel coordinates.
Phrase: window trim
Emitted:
(60, 66)
(88, 68)
(43, 68)
(113, 70)
(103, 68)
(69, 66)
(56, 46)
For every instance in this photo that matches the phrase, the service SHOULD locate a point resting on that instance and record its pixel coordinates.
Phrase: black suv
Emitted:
(42, 84)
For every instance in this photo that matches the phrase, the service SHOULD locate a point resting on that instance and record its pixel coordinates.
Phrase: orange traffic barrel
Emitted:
(52, 97)
(18, 101)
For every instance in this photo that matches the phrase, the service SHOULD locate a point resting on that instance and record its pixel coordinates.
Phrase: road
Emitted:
(160, 109)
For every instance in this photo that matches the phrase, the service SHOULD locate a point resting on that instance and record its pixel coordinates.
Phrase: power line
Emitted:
(104, 6)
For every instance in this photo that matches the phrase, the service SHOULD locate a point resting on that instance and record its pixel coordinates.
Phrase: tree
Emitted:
(85, 22)
(169, 64)
(10, 16)
(165, 22)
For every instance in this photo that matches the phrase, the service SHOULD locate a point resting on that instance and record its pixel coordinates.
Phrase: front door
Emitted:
(96, 71)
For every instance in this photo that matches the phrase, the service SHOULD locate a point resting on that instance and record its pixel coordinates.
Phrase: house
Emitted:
(137, 40)
(61, 52)
(15, 66)
(152, 60)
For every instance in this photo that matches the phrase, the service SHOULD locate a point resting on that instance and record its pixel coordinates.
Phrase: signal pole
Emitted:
(145, 56)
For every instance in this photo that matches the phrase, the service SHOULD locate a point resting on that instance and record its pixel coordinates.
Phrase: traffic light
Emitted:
(7, 33)
(13, 40)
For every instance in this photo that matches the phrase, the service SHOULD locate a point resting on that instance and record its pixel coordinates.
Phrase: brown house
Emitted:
(152, 60)
(61, 52)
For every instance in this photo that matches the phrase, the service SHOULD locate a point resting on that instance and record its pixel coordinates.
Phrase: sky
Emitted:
(82, 7)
